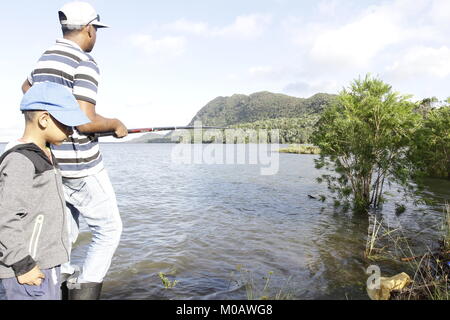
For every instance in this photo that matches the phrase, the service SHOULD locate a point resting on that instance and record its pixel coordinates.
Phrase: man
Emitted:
(87, 187)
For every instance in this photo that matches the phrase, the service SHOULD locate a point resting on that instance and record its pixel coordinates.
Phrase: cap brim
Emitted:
(72, 118)
(100, 25)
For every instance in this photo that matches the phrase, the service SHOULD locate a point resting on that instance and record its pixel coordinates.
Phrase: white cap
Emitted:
(80, 14)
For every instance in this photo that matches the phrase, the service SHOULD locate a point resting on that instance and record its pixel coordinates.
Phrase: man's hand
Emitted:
(121, 131)
(32, 278)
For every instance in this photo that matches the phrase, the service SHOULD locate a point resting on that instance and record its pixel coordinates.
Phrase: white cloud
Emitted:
(244, 26)
(354, 44)
(440, 12)
(282, 72)
(232, 76)
(422, 61)
(368, 35)
(248, 26)
(261, 71)
(358, 42)
(183, 25)
(166, 46)
(328, 7)
(307, 88)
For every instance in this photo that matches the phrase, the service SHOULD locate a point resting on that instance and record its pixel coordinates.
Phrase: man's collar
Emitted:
(69, 42)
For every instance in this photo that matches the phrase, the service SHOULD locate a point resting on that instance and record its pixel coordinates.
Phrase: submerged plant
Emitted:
(377, 231)
(254, 291)
(446, 226)
(166, 282)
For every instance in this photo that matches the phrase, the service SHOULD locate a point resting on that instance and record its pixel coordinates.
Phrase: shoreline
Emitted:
(300, 149)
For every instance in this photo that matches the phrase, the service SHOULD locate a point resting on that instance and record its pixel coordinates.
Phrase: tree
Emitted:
(425, 106)
(430, 150)
(364, 139)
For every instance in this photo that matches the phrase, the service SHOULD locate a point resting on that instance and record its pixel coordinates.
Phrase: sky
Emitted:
(162, 61)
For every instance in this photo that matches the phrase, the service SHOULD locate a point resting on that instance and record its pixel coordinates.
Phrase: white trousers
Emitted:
(94, 199)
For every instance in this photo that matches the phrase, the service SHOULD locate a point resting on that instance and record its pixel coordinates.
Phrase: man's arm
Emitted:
(26, 86)
(99, 123)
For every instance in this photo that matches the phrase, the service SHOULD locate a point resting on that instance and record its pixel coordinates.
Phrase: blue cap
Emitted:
(57, 100)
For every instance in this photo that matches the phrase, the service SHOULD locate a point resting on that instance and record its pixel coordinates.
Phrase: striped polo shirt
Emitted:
(67, 64)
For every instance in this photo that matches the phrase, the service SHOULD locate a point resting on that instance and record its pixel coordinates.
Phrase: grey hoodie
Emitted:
(33, 226)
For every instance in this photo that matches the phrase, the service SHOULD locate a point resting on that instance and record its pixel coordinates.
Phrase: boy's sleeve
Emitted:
(86, 80)
(16, 181)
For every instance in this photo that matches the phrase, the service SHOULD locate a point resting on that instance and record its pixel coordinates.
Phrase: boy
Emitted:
(33, 226)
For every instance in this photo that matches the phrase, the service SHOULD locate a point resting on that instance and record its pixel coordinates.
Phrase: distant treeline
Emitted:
(282, 131)
(291, 131)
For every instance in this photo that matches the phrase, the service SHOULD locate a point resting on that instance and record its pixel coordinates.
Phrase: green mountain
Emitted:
(151, 138)
(239, 109)
(295, 117)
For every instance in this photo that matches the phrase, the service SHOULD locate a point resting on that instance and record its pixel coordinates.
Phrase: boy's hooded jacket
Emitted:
(33, 224)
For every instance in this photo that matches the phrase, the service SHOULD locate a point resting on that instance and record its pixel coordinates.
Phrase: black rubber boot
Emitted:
(64, 279)
(84, 291)
(64, 291)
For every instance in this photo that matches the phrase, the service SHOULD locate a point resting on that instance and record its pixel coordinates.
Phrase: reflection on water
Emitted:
(198, 223)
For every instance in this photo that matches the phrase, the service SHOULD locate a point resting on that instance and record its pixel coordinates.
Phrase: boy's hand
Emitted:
(32, 278)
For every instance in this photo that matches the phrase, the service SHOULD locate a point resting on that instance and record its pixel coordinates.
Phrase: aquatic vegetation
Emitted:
(376, 233)
(166, 282)
(430, 270)
(431, 280)
(261, 290)
(446, 227)
(399, 209)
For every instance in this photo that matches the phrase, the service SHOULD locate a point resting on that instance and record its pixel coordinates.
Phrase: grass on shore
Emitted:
(446, 227)
(300, 149)
(431, 271)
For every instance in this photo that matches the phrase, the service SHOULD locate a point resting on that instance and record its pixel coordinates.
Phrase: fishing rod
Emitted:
(147, 130)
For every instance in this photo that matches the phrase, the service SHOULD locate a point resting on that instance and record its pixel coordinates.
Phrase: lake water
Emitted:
(216, 228)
